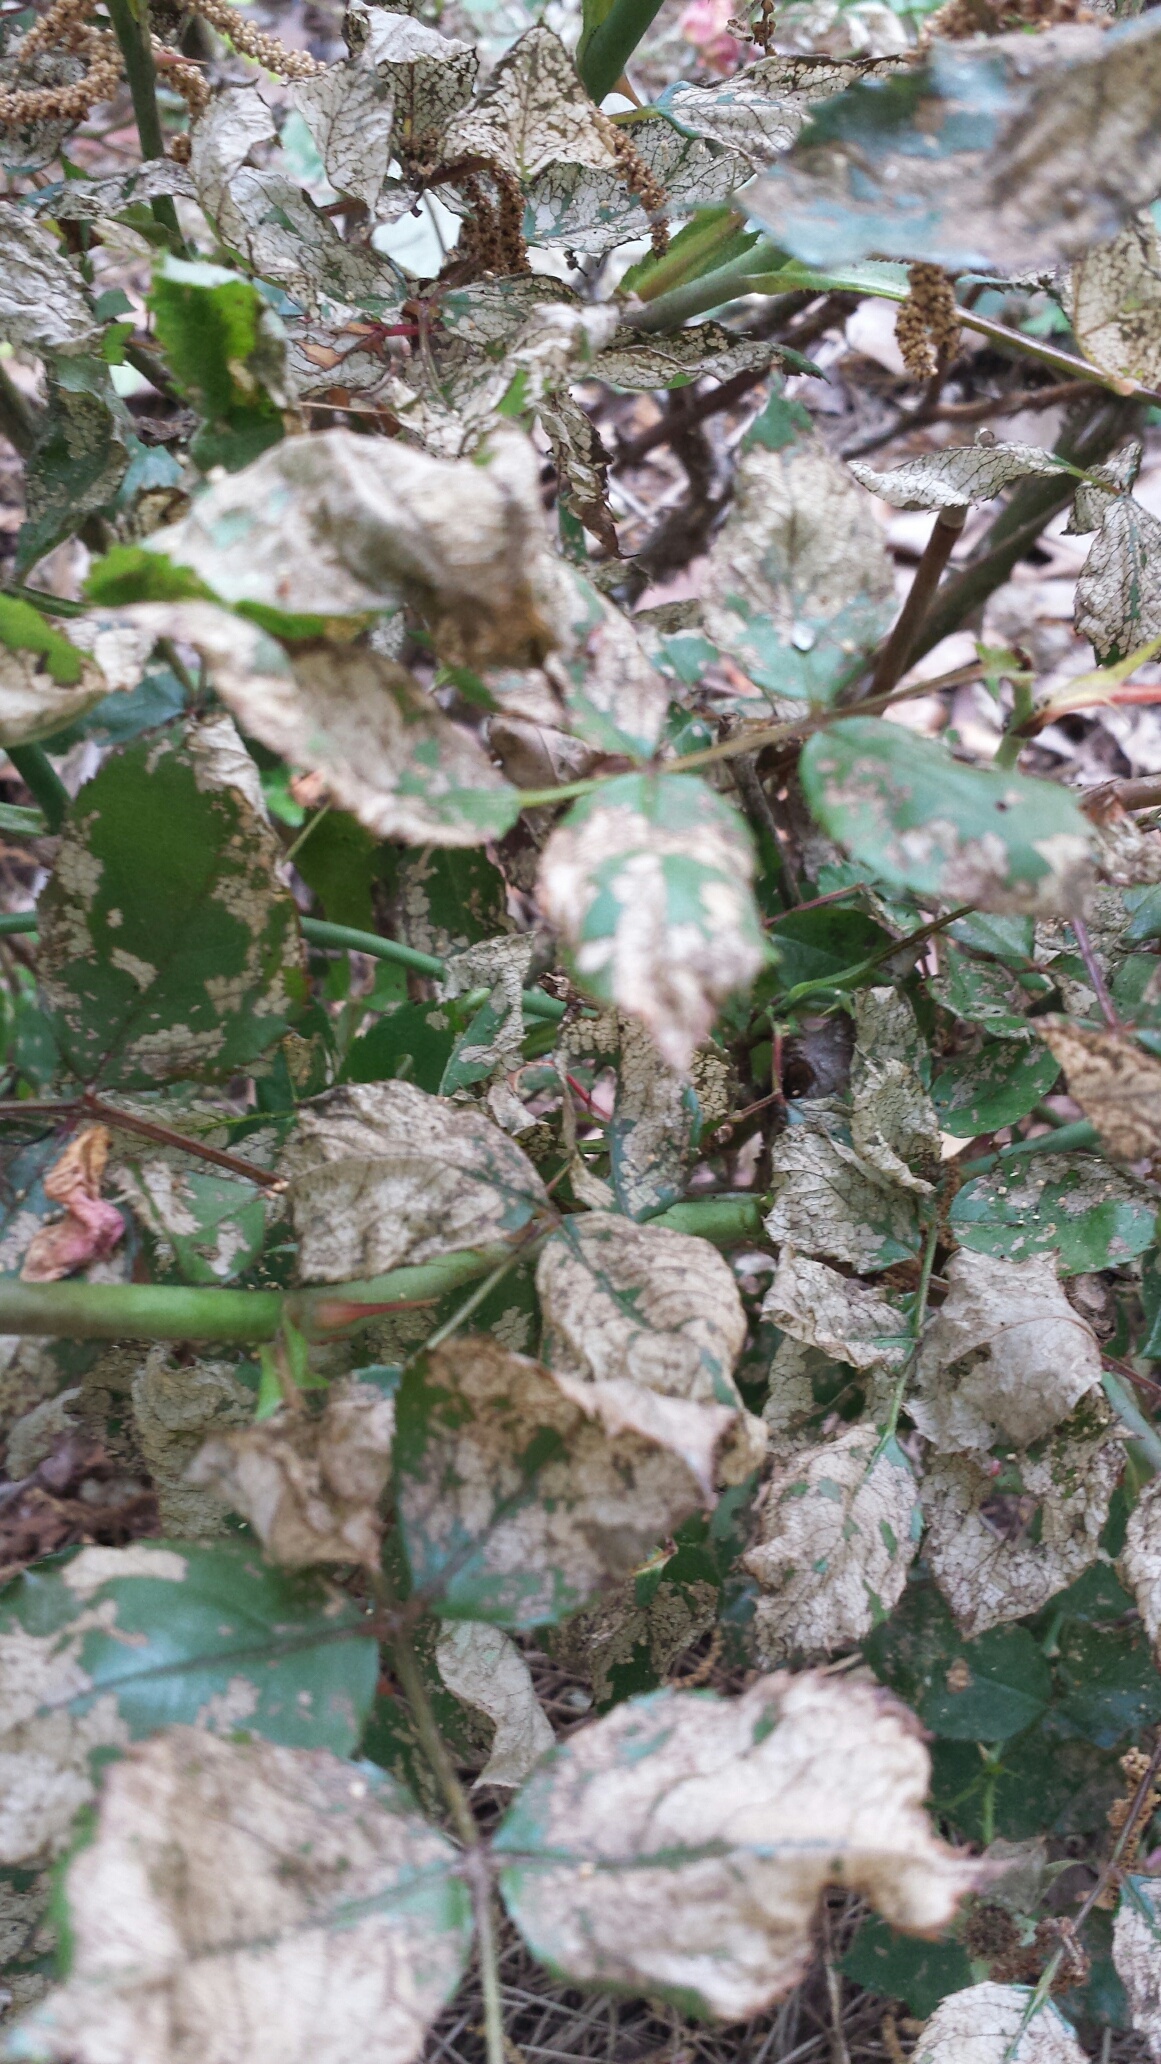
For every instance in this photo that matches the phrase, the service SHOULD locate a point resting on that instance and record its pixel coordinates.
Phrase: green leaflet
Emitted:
(1002, 1082)
(214, 1223)
(168, 945)
(226, 350)
(1090, 1215)
(923, 821)
(897, 1967)
(24, 629)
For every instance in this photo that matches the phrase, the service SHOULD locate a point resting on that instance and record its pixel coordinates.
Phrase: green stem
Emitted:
(16, 920)
(688, 262)
(1012, 743)
(1131, 1415)
(896, 652)
(1077, 1138)
(156, 1311)
(612, 45)
(537, 1002)
(40, 776)
(132, 32)
(711, 290)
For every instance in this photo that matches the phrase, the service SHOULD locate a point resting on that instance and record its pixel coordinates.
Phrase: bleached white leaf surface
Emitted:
(385, 1175)
(846, 1319)
(383, 747)
(1005, 1355)
(648, 882)
(1112, 297)
(483, 1666)
(43, 303)
(1118, 593)
(1140, 1559)
(1137, 1956)
(349, 112)
(242, 1899)
(1000, 1552)
(837, 1530)
(986, 2025)
(534, 115)
(679, 1846)
(955, 477)
(310, 1487)
(337, 524)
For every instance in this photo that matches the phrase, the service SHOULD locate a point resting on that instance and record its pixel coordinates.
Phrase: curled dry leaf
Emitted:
(521, 1492)
(651, 1319)
(482, 1666)
(239, 1898)
(847, 1320)
(384, 1175)
(992, 2024)
(1118, 592)
(1115, 1082)
(894, 1128)
(953, 478)
(1005, 1357)
(836, 1533)
(1002, 1544)
(337, 525)
(430, 77)
(709, 1828)
(1140, 1559)
(384, 749)
(649, 884)
(310, 1487)
(349, 112)
(1112, 297)
(1137, 1956)
(91, 1227)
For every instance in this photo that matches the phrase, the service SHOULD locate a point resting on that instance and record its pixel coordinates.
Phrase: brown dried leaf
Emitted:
(1116, 1084)
(91, 1227)
(848, 1320)
(828, 1201)
(1112, 297)
(1006, 1356)
(242, 1899)
(837, 1531)
(309, 1487)
(384, 1175)
(174, 1409)
(679, 1846)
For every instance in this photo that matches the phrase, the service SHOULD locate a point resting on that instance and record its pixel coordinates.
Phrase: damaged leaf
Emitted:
(214, 1224)
(1112, 298)
(648, 882)
(1137, 1955)
(521, 1492)
(845, 1319)
(1005, 1356)
(922, 821)
(1072, 1206)
(1118, 592)
(384, 1176)
(310, 1487)
(91, 1227)
(828, 1202)
(239, 1894)
(710, 1827)
(994, 2024)
(191, 964)
(958, 475)
(1116, 1084)
(106, 1647)
(837, 1530)
(485, 1669)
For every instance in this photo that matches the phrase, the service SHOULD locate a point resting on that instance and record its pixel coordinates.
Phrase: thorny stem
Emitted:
(130, 19)
(936, 553)
(1048, 1974)
(462, 1818)
(1095, 975)
(1079, 1137)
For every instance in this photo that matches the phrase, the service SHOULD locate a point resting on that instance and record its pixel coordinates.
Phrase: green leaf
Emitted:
(114, 1643)
(24, 629)
(80, 457)
(986, 992)
(897, 1967)
(519, 1492)
(649, 882)
(979, 1092)
(340, 860)
(226, 350)
(923, 821)
(1090, 1215)
(215, 1224)
(1006, 1685)
(168, 945)
(1109, 1685)
(817, 945)
(411, 1044)
(128, 573)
